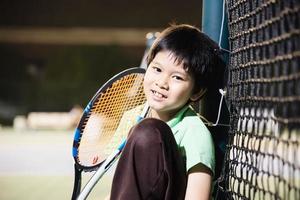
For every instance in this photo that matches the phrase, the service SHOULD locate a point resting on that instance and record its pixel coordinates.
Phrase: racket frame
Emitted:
(78, 168)
(78, 131)
(107, 163)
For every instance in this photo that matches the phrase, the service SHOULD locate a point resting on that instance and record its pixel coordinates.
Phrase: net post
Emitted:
(214, 24)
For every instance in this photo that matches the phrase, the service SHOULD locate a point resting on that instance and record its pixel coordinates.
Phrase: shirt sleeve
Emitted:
(199, 147)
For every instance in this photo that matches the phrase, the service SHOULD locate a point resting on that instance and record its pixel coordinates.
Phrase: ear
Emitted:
(198, 95)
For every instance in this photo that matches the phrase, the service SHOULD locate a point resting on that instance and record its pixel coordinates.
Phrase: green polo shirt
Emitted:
(193, 139)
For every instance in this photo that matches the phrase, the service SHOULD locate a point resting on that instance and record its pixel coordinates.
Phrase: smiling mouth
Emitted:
(157, 94)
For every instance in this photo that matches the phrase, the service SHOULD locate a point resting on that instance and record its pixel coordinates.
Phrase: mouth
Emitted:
(157, 94)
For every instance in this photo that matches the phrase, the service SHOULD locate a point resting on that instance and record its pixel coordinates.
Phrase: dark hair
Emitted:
(200, 54)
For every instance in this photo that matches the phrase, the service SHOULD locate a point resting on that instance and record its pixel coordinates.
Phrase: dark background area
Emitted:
(99, 13)
(55, 77)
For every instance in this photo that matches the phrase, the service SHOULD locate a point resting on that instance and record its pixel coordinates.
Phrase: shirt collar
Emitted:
(178, 117)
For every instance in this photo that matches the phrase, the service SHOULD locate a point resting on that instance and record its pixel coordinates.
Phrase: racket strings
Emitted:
(107, 125)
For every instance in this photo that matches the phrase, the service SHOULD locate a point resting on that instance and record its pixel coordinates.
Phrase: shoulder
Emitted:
(191, 123)
(193, 133)
(196, 141)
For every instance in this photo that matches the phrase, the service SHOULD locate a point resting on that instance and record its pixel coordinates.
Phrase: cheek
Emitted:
(145, 82)
(146, 85)
(148, 79)
(183, 93)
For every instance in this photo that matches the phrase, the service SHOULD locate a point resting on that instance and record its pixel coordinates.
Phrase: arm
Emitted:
(199, 183)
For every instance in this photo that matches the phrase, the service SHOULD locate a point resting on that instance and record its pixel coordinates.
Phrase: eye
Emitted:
(156, 69)
(179, 78)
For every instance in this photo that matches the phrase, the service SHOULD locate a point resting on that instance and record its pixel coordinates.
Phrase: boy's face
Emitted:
(167, 86)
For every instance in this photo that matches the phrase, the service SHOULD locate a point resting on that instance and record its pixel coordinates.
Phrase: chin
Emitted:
(155, 106)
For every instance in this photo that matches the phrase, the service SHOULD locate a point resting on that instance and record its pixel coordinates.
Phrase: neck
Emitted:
(161, 115)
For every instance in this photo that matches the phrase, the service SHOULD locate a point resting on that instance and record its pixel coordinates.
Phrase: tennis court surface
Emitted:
(39, 165)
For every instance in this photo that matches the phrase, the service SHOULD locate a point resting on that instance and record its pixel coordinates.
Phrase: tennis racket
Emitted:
(104, 125)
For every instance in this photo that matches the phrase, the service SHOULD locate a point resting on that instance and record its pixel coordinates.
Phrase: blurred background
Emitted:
(54, 55)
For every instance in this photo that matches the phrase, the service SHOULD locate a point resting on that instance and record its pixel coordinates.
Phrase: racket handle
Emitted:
(77, 182)
(100, 172)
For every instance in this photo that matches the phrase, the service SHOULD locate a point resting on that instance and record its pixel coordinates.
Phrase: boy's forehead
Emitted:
(171, 57)
(179, 61)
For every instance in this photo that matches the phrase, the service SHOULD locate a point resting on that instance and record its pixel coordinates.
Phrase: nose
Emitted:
(162, 82)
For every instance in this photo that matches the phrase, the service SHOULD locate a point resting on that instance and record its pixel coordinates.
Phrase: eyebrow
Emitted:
(183, 73)
(157, 63)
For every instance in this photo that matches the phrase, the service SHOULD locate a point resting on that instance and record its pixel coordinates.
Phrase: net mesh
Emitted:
(112, 115)
(262, 156)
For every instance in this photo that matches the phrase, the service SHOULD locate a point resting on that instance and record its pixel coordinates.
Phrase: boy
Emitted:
(170, 154)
